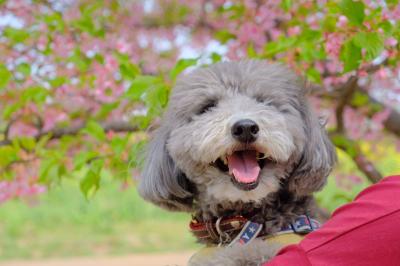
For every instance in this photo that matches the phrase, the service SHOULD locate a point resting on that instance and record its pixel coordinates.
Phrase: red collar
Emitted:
(225, 229)
(220, 231)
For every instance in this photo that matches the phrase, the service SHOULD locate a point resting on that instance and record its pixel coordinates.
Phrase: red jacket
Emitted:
(364, 232)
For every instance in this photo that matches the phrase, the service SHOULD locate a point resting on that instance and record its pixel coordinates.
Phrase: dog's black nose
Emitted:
(245, 130)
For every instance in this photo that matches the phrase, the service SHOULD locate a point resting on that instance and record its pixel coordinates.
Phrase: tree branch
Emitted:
(367, 167)
(352, 148)
(392, 124)
(347, 91)
(56, 133)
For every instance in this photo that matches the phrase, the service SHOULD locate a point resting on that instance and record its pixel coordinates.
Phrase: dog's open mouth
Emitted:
(244, 166)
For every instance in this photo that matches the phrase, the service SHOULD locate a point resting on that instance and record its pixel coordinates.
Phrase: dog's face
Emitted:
(236, 131)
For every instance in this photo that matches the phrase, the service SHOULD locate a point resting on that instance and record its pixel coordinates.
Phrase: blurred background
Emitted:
(83, 84)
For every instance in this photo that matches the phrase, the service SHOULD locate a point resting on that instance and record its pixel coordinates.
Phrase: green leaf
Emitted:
(224, 36)
(82, 158)
(372, 42)
(85, 24)
(392, 2)
(139, 85)
(387, 27)
(106, 109)
(278, 46)
(58, 81)
(95, 130)
(353, 10)
(156, 98)
(181, 65)
(251, 52)
(5, 76)
(99, 58)
(143, 121)
(309, 52)
(16, 35)
(314, 75)
(127, 69)
(54, 21)
(8, 155)
(286, 4)
(360, 99)
(24, 68)
(80, 60)
(41, 143)
(118, 144)
(91, 182)
(48, 170)
(236, 11)
(136, 154)
(10, 109)
(215, 57)
(346, 144)
(35, 94)
(27, 143)
(350, 55)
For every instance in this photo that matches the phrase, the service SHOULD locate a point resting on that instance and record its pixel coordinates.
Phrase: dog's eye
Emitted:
(285, 110)
(264, 101)
(259, 99)
(269, 102)
(205, 108)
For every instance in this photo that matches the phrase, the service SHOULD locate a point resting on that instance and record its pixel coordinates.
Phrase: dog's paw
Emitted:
(252, 254)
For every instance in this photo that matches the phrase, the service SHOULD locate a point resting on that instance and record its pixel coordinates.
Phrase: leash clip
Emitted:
(223, 236)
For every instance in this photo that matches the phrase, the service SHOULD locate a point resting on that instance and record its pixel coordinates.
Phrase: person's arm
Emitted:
(364, 232)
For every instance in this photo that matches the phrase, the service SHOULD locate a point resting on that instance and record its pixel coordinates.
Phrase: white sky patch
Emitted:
(227, 4)
(162, 45)
(61, 5)
(142, 41)
(184, 41)
(10, 20)
(213, 46)
(148, 6)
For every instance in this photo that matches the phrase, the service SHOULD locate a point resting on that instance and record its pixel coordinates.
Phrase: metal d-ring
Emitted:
(223, 237)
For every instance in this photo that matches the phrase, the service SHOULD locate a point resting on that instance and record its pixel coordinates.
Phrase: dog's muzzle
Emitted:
(245, 131)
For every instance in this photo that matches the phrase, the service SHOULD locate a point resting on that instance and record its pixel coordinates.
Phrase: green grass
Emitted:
(63, 223)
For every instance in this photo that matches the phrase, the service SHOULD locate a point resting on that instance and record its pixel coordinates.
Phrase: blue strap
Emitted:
(249, 232)
(303, 224)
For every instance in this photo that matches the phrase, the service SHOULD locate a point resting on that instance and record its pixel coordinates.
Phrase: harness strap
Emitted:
(249, 232)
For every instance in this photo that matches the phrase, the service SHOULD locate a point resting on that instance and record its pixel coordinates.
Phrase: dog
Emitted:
(238, 141)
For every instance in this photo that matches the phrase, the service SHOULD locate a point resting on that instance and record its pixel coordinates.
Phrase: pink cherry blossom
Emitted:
(79, 68)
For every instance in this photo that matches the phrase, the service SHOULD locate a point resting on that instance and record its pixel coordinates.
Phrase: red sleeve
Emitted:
(364, 232)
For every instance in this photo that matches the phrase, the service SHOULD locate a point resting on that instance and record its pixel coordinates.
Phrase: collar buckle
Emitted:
(224, 237)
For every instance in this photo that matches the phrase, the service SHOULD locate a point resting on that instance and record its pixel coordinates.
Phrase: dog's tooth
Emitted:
(259, 157)
(225, 160)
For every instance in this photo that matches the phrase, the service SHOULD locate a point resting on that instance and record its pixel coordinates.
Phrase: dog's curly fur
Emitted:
(179, 173)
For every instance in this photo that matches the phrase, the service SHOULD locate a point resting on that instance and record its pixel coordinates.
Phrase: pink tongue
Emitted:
(244, 167)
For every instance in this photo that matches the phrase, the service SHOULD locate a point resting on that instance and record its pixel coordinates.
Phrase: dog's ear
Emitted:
(317, 159)
(161, 181)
